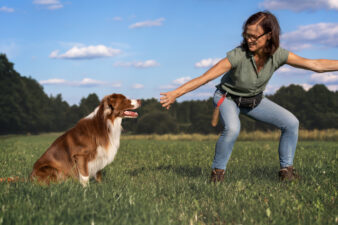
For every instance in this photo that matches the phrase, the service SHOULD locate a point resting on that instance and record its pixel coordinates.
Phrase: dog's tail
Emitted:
(11, 179)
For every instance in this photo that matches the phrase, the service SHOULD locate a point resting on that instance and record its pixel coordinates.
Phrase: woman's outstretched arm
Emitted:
(217, 70)
(316, 65)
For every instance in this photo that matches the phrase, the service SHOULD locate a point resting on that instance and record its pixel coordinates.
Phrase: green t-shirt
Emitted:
(243, 79)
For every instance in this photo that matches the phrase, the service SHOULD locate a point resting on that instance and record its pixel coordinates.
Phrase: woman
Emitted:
(248, 69)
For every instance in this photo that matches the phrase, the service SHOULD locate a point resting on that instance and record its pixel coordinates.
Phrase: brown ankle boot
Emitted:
(217, 175)
(288, 174)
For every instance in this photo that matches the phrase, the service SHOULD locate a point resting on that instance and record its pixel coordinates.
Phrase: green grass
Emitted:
(166, 182)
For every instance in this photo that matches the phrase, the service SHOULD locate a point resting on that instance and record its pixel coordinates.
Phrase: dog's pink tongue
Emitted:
(130, 114)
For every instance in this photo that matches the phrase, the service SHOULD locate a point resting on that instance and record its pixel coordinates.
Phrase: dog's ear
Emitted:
(111, 105)
(112, 101)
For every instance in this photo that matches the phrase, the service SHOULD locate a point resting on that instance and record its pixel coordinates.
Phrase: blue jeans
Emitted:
(268, 112)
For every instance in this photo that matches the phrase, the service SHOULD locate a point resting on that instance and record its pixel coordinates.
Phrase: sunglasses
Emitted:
(254, 37)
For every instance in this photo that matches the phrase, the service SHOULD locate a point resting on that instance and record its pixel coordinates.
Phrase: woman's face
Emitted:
(256, 38)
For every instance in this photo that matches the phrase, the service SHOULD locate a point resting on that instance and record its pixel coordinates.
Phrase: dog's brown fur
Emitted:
(70, 154)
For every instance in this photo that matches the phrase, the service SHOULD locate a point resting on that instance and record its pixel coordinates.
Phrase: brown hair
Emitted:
(269, 23)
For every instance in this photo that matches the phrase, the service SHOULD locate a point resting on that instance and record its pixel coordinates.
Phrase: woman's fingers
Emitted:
(166, 104)
(164, 97)
(165, 100)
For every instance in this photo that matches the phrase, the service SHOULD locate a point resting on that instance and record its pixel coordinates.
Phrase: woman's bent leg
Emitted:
(229, 118)
(269, 112)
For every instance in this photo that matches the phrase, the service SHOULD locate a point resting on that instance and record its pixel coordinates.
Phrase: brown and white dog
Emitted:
(84, 150)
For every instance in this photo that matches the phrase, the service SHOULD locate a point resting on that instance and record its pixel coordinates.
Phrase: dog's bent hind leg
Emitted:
(82, 167)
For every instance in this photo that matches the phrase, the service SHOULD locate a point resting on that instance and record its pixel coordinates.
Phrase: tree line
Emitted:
(26, 108)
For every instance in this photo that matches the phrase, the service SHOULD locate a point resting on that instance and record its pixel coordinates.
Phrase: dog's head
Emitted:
(117, 105)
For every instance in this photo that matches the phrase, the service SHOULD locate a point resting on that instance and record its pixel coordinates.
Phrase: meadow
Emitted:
(165, 180)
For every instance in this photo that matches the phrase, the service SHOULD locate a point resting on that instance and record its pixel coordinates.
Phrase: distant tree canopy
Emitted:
(26, 108)
(156, 122)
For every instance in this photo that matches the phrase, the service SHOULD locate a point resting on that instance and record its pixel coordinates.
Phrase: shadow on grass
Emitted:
(186, 171)
(269, 173)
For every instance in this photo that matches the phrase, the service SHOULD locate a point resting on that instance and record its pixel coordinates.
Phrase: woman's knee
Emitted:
(232, 130)
(292, 123)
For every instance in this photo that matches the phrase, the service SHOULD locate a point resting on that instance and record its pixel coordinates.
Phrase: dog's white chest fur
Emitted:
(104, 156)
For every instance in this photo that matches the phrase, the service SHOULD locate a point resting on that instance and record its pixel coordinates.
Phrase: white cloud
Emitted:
(49, 4)
(6, 9)
(116, 85)
(138, 86)
(271, 89)
(89, 82)
(175, 83)
(286, 69)
(323, 34)
(54, 54)
(333, 4)
(326, 78)
(85, 82)
(148, 23)
(297, 46)
(168, 86)
(306, 86)
(332, 87)
(46, 2)
(207, 62)
(145, 64)
(300, 5)
(181, 80)
(117, 18)
(53, 81)
(54, 7)
(200, 95)
(89, 52)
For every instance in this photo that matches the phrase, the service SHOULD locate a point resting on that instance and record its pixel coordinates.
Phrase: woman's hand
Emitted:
(168, 98)
(217, 70)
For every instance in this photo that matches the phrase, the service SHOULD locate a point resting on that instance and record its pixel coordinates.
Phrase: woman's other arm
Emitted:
(316, 65)
(217, 70)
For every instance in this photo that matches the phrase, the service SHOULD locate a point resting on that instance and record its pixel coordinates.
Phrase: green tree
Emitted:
(22, 101)
(87, 105)
(156, 122)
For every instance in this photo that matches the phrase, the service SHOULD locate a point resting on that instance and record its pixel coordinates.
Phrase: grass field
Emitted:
(166, 182)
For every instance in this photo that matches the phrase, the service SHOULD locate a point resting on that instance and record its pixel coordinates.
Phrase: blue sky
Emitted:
(142, 48)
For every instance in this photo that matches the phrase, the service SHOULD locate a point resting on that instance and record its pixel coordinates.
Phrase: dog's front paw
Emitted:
(84, 180)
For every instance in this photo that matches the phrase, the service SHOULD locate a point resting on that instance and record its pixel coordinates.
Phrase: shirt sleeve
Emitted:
(281, 55)
(234, 56)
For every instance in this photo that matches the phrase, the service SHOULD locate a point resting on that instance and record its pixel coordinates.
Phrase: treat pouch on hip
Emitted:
(248, 102)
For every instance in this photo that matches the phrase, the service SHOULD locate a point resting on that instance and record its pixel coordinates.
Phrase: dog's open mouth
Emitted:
(130, 114)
